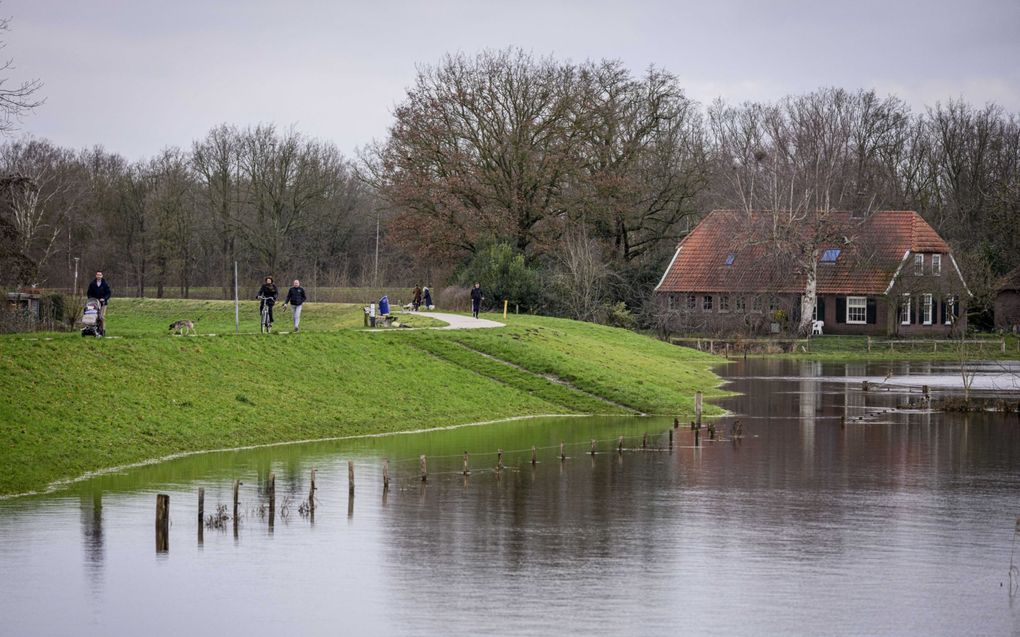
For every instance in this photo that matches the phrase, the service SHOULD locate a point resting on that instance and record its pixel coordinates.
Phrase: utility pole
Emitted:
(237, 311)
(375, 277)
(75, 293)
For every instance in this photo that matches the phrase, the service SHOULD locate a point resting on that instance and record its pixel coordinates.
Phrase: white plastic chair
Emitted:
(816, 328)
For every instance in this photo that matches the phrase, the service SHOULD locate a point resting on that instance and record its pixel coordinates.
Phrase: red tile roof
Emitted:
(871, 250)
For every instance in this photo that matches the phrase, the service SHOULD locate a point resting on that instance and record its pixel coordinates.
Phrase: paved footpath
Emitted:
(459, 321)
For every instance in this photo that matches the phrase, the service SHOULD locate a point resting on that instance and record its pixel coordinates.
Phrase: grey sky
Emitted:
(136, 76)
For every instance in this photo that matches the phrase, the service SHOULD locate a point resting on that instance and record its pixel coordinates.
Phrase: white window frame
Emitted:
(919, 264)
(724, 303)
(706, 303)
(936, 265)
(739, 304)
(692, 302)
(950, 307)
(857, 303)
(905, 319)
(926, 309)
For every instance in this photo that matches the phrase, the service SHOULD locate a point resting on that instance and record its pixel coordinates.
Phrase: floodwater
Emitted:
(901, 522)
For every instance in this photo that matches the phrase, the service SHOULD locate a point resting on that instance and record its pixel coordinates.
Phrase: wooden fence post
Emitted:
(466, 471)
(869, 343)
(162, 523)
(272, 499)
(644, 441)
(592, 448)
(671, 439)
(386, 475)
(311, 493)
(698, 407)
(499, 460)
(563, 456)
(534, 456)
(237, 490)
(423, 464)
(619, 446)
(201, 508)
(350, 477)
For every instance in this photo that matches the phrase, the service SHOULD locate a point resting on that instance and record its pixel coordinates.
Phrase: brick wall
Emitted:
(1007, 310)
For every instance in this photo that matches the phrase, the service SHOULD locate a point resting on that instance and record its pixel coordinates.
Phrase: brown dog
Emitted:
(183, 327)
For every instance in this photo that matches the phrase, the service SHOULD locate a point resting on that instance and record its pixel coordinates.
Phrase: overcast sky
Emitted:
(136, 76)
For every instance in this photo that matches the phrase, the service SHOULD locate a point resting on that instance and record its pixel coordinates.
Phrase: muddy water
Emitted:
(901, 522)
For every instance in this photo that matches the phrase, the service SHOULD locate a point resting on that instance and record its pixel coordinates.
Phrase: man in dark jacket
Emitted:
(99, 289)
(296, 298)
(476, 299)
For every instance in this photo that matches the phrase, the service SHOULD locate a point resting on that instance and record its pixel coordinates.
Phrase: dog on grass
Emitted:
(183, 327)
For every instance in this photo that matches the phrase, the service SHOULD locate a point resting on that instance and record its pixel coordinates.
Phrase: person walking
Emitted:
(416, 297)
(99, 289)
(427, 298)
(476, 299)
(267, 297)
(296, 297)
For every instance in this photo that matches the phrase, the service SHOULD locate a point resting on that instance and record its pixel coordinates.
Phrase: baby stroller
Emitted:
(92, 319)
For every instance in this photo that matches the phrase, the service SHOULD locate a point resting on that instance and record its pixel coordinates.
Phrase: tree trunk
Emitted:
(807, 302)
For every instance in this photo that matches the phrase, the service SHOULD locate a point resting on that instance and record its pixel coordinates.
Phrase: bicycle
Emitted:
(266, 302)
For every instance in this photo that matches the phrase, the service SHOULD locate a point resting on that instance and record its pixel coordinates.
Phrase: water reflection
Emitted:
(92, 535)
(898, 522)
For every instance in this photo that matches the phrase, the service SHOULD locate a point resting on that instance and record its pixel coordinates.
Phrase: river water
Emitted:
(900, 522)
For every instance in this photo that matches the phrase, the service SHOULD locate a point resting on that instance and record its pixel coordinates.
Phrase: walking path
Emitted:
(460, 322)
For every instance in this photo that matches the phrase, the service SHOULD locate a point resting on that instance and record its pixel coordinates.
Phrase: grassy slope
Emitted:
(148, 317)
(73, 404)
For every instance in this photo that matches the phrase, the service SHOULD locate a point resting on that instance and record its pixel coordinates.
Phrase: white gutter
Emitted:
(897, 272)
(670, 267)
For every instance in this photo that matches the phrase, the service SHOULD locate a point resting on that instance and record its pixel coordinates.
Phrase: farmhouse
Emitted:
(884, 273)
(1007, 302)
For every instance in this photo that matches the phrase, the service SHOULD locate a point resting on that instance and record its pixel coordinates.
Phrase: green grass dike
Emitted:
(74, 405)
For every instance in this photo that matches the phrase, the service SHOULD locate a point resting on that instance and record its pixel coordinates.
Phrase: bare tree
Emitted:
(798, 161)
(583, 277)
(18, 99)
(479, 150)
(44, 187)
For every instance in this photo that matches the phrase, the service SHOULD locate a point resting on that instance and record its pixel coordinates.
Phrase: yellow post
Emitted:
(506, 303)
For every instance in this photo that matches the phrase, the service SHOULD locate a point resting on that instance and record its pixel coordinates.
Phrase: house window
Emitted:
(739, 305)
(692, 302)
(926, 309)
(950, 306)
(756, 304)
(729, 259)
(724, 303)
(918, 264)
(905, 310)
(830, 255)
(706, 303)
(936, 264)
(857, 310)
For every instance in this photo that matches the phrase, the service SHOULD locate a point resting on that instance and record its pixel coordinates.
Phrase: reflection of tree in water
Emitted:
(92, 533)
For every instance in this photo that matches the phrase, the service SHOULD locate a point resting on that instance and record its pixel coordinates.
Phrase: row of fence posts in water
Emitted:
(163, 500)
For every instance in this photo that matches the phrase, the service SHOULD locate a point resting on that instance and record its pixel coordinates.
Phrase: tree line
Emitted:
(565, 186)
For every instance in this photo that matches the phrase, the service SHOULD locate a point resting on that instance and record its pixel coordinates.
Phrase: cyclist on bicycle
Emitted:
(267, 297)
